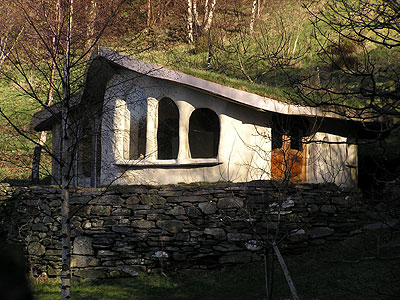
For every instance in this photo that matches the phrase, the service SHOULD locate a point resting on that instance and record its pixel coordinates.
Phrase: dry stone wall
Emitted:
(124, 230)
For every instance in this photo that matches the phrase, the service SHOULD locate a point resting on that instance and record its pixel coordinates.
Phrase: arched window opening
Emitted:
(204, 131)
(89, 150)
(85, 150)
(135, 125)
(168, 129)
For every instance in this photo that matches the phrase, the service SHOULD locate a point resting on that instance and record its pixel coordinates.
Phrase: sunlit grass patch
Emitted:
(15, 150)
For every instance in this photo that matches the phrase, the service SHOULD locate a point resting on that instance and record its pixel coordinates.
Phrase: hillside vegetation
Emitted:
(285, 54)
(15, 150)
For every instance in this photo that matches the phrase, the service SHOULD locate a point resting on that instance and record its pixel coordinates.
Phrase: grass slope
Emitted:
(16, 151)
(282, 49)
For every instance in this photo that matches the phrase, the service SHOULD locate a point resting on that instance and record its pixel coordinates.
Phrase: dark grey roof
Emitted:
(221, 91)
(43, 119)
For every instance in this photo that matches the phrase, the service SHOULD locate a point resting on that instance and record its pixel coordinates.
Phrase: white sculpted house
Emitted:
(144, 124)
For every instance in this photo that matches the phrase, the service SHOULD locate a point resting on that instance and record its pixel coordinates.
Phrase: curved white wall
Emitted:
(241, 154)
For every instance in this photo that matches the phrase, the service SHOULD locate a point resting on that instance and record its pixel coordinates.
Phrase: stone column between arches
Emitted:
(152, 125)
(185, 110)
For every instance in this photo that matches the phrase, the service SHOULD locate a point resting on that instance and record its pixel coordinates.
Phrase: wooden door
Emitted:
(287, 163)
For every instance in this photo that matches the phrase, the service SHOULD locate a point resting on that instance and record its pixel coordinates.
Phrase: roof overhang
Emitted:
(44, 119)
(220, 91)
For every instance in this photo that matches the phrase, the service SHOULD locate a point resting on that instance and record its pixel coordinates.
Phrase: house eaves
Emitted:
(44, 119)
(220, 91)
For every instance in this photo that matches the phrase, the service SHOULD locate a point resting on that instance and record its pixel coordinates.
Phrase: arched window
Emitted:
(204, 131)
(168, 129)
(85, 150)
(135, 125)
(89, 150)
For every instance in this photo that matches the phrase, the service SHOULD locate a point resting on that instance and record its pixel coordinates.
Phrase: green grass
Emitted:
(249, 62)
(13, 148)
(182, 58)
(282, 25)
(266, 80)
(338, 271)
(16, 151)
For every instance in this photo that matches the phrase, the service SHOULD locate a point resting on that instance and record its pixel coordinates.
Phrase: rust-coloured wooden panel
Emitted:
(288, 163)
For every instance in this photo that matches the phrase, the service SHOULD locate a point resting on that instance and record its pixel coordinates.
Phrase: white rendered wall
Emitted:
(244, 145)
(331, 159)
(238, 156)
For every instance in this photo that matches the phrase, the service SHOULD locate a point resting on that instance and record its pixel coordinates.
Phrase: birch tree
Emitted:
(253, 15)
(208, 18)
(43, 135)
(189, 21)
(195, 23)
(9, 31)
(256, 10)
(56, 43)
(156, 11)
(65, 173)
(148, 19)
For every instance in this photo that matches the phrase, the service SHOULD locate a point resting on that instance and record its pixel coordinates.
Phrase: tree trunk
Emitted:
(205, 11)
(66, 243)
(189, 20)
(37, 152)
(285, 272)
(5, 48)
(196, 14)
(253, 16)
(148, 20)
(260, 5)
(64, 170)
(268, 272)
(66, 160)
(92, 14)
(43, 135)
(209, 18)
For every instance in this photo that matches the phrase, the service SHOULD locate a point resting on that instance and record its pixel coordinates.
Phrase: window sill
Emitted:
(169, 163)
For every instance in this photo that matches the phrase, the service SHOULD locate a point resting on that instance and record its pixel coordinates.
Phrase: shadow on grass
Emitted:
(226, 284)
(314, 279)
(339, 271)
(234, 284)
